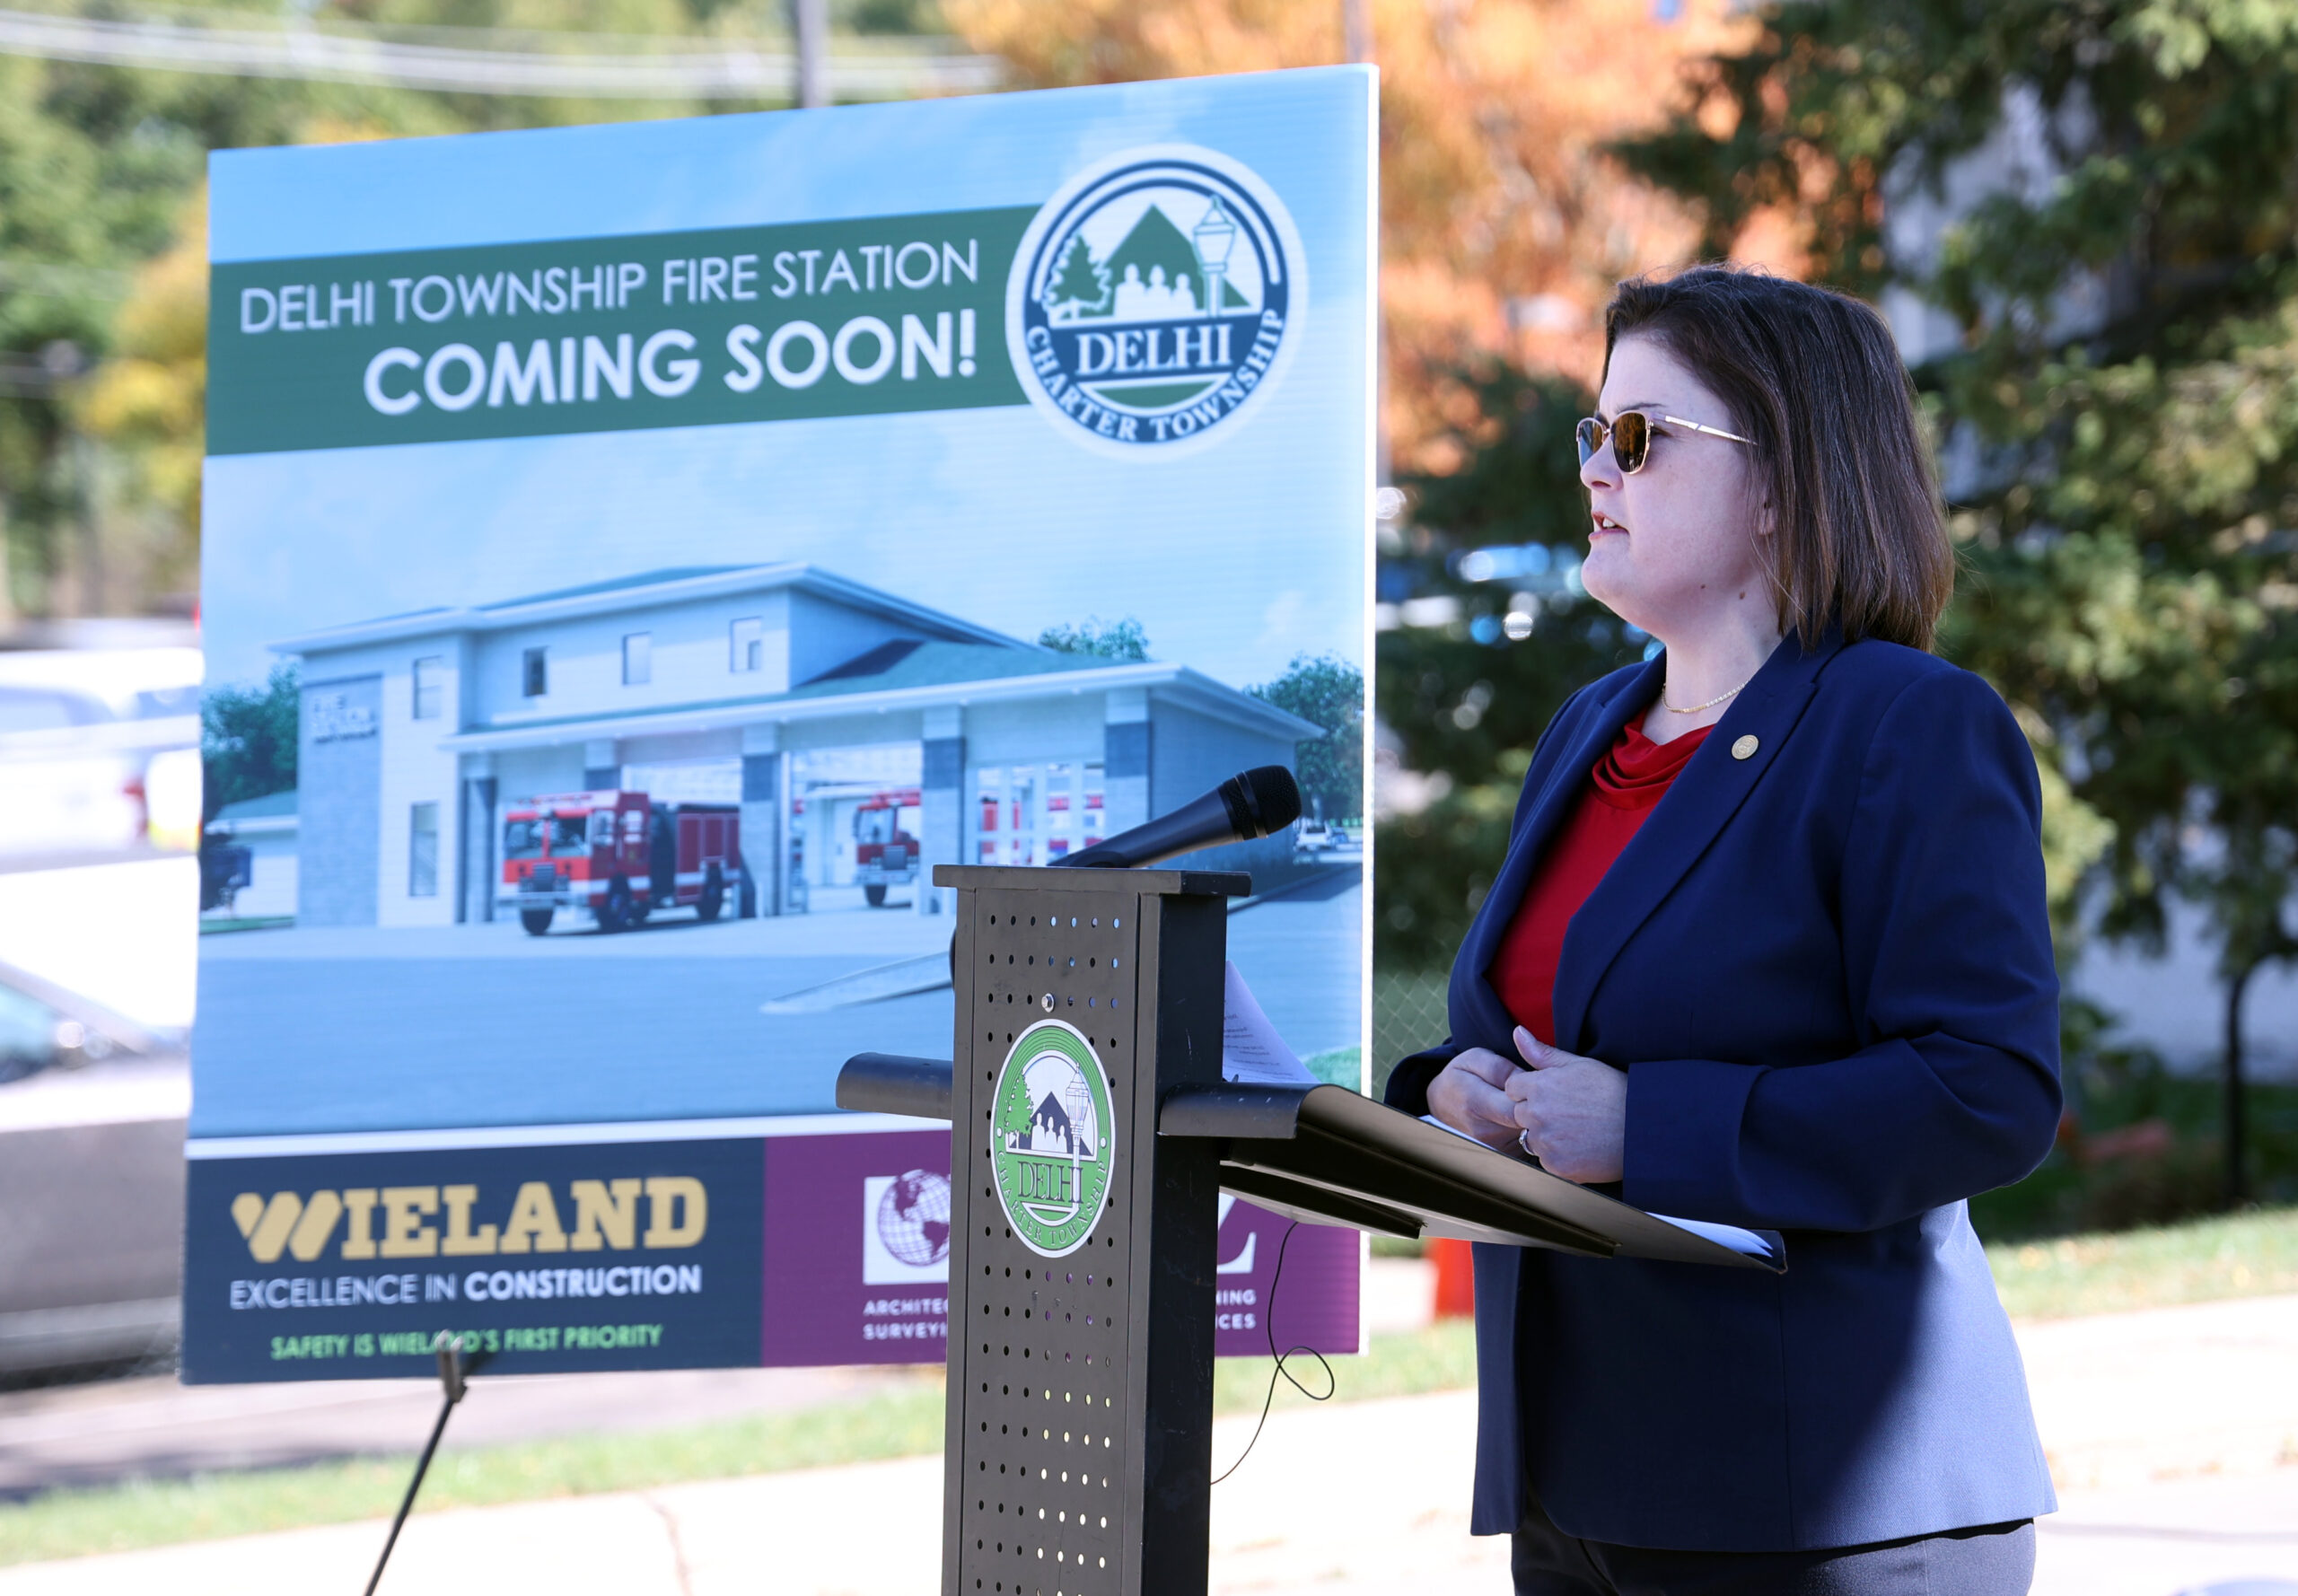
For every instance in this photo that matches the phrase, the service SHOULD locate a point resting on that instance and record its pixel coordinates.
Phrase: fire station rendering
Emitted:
(734, 740)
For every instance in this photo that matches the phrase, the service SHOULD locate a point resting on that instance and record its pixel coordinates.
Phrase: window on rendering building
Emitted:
(430, 688)
(1033, 814)
(535, 679)
(423, 851)
(1009, 821)
(745, 644)
(637, 659)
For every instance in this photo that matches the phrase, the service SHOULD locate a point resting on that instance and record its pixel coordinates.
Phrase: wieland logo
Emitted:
(1155, 300)
(1052, 1139)
(399, 1221)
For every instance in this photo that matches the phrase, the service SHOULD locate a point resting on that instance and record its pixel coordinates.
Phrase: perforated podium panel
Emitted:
(1081, 1313)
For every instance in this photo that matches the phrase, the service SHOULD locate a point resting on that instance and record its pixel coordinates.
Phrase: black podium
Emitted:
(1091, 1136)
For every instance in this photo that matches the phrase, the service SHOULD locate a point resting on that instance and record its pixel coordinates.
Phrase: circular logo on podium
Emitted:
(1052, 1139)
(1156, 301)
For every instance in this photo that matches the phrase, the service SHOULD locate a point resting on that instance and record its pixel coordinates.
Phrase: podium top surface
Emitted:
(1325, 1154)
(1049, 878)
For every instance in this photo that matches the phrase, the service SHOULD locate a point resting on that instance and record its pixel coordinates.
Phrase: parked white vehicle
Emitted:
(93, 1112)
(1316, 841)
(99, 754)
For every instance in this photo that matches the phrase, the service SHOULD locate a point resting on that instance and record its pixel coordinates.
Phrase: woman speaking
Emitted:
(1769, 948)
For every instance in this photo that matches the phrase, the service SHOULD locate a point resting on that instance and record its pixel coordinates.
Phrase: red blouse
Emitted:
(1626, 784)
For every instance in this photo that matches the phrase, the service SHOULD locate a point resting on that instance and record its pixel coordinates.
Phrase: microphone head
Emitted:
(1263, 801)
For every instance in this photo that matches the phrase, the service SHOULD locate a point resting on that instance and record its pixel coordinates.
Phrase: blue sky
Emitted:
(1234, 558)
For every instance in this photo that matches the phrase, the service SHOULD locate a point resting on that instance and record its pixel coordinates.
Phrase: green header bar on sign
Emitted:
(699, 329)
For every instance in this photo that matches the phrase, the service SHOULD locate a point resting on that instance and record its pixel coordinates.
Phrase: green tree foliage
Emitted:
(1330, 693)
(147, 402)
(84, 193)
(247, 742)
(1465, 700)
(2122, 396)
(1080, 285)
(248, 739)
(1108, 640)
(99, 168)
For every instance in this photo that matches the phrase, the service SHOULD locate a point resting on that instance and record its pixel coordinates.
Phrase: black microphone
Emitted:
(1257, 802)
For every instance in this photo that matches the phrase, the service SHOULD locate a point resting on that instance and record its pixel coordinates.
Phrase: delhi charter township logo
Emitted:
(1156, 300)
(1052, 1139)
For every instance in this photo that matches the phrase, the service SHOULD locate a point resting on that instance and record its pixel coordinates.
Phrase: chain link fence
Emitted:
(1408, 1014)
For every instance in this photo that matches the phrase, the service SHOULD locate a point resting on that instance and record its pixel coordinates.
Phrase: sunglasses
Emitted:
(1630, 433)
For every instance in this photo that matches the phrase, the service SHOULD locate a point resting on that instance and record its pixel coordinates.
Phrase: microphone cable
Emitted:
(1332, 1380)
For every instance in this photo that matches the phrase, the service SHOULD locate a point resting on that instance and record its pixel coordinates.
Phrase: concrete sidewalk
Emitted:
(2171, 1536)
(1326, 1505)
(1300, 1512)
(2127, 1398)
(2196, 1408)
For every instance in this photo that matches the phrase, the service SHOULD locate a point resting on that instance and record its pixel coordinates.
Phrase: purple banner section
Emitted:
(857, 1250)
(1314, 1304)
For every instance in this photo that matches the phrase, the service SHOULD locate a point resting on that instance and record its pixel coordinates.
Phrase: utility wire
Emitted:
(648, 70)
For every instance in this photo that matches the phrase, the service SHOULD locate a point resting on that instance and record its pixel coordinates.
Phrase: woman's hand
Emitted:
(1573, 1111)
(1471, 1096)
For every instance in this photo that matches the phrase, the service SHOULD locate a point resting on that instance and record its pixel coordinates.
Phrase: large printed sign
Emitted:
(670, 541)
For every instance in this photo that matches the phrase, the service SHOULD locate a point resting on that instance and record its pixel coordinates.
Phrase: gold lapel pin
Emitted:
(1745, 749)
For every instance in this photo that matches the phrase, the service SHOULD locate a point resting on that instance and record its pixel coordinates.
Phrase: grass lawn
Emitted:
(2246, 1254)
(1338, 1066)
(218, 924)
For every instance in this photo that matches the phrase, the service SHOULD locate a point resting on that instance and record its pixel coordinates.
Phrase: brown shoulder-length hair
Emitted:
(1859, 533)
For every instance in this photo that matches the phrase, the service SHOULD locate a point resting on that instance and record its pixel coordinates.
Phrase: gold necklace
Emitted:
(1696, 708)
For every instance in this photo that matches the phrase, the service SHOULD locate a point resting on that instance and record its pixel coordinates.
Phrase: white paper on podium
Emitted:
(1251, 1052)
(1745, 1242)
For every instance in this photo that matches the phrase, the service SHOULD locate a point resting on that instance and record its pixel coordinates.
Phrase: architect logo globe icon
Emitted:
(1155, 300)
(1052, 1139)
(914, 1218)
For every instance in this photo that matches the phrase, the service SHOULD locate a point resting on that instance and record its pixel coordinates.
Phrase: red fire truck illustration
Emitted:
(885, 854)
(618, 854)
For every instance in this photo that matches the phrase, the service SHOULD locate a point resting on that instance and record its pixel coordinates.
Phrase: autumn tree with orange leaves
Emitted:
(1504, 223)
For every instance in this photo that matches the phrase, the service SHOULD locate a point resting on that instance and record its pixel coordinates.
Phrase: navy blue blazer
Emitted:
(1826, 968)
